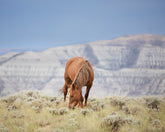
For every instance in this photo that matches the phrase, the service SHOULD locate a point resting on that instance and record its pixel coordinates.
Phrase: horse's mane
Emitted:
(79, 77)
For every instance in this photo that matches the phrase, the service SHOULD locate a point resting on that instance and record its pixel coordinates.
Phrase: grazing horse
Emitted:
(78, 73)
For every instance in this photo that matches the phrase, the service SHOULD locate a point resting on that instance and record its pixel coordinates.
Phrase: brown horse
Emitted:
(78, 73)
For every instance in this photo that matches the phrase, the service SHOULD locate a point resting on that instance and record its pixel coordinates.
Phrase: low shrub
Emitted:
(61, 111)
(73, 123)
(85, 111)
(53, 111)
(156, 123)
(118, 102)
(10, 99)
(126, 109)
(34, 94)
(18, 103)
(57, 102)
(11, 107)
(37, 109)
(52, 99)
(113, 122)
(97, 105)
(153, 103)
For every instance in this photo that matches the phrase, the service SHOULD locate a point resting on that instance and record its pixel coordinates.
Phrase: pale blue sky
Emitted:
(50, 23)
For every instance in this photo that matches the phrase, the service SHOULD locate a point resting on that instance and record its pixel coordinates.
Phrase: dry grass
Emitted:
(35, 112)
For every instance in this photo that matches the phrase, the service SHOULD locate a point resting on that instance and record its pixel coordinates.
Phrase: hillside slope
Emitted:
(132, 65)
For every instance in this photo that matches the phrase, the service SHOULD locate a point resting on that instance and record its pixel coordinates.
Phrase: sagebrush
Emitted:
(34, 112)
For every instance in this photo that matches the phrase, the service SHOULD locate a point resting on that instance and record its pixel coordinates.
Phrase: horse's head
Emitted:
(75, 96)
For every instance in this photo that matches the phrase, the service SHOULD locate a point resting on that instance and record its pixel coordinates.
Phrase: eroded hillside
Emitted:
(131, 65)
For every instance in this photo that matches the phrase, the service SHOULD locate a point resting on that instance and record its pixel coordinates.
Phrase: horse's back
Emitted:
(72, 67)
(91, 72)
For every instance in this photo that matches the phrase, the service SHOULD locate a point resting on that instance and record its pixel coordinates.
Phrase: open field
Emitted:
(35, 112)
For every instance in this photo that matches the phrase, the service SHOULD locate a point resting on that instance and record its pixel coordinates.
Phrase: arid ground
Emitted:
(33, 111)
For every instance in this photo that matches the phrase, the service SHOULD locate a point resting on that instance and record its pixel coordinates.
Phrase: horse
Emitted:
(78, 73)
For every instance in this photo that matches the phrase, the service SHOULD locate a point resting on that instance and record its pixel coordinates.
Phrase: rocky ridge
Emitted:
(131, 65)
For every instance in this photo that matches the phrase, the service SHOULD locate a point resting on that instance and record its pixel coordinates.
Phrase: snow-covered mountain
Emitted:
(131, 65)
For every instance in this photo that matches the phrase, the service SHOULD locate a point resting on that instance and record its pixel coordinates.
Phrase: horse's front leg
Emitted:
(80, 104)
(87, 94)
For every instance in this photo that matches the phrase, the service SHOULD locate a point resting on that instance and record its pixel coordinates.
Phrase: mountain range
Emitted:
(131, 65)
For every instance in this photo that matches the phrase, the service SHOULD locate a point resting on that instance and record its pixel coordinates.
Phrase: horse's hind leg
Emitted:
(87, 93)
(65, 88)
